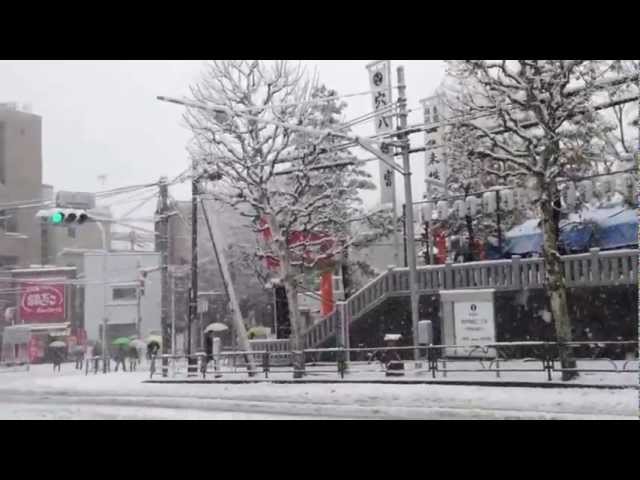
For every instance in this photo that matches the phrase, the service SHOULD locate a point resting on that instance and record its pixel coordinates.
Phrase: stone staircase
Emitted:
(596, 268)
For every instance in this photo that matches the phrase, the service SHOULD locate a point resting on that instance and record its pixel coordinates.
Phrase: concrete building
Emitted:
(25, 240)
(20, 181)
(117, 298)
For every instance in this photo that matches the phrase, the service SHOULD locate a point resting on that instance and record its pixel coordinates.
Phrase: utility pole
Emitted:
(193, 298)
(104, 344)
(404, 231)
(139, 317)
(163, 240)
(413, 277)
(498, 221)
(173, 314)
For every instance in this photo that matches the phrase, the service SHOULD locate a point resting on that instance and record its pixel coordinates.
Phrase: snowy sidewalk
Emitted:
(70, 388)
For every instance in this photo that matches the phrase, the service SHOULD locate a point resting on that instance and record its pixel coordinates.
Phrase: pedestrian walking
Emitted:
(57, 354)
(78, 355)
(152, 349)
(133, 358)
(97, 353)
(120, 358)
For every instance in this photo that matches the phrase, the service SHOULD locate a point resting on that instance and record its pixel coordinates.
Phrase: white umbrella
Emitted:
(216, 327)
(137, 343)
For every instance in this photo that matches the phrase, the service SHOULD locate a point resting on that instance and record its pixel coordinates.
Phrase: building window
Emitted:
(2, 154)
(124, 293)
(71, 232)
(9, 221)
(6, 261)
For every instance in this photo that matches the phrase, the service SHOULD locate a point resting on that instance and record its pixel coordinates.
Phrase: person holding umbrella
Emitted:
(97, 353)
(121, 344)
(57, 353)
(212, 344)
(153, 347)
(78, 354)
(134, 353)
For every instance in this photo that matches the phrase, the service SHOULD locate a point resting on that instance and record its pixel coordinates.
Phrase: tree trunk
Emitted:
(346, 275)
(297, 339)
(472, 240)
(556, 287)
(288, 277)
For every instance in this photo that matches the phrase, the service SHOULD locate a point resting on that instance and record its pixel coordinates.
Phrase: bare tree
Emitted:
(559, 96)
(246, 154)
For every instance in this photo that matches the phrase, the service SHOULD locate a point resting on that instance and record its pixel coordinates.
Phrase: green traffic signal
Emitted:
(57, 218)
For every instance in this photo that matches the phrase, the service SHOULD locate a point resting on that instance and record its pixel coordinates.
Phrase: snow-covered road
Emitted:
(42, 394)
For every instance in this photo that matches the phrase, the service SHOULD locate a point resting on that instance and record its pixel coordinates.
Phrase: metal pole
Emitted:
(239, 331)
(347, 340)
(396, 237)
(498, 226)
(163, 235)
(139, 316)
(173, 314)
(104, 344)
(404, 231)
(193, 304)
(275, 312)
(408, 194)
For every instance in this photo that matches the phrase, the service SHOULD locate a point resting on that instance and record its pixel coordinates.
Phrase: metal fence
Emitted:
(371, 363)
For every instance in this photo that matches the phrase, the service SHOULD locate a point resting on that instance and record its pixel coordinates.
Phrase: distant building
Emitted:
(20, 181)
(24, 239)
(116, 298)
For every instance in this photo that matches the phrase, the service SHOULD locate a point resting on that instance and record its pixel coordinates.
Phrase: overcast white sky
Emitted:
(102, 118)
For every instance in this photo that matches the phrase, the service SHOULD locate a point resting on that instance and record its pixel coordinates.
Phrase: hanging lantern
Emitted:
(489, 202)
(570, 195)
(443, 209)
(585, 189)
(520, 198)
(533, 190)
(427, 212)
(473, 205)
(626, 185)
(461, 208)
(605, 186)
(507, 201)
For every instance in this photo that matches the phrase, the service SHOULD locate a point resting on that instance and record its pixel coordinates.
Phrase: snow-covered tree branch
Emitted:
(307, 214)
(558, 96)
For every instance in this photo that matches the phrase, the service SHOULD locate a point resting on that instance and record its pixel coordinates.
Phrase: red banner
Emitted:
(440, 240)
(41, 303)
(36, 348)
(326, 292)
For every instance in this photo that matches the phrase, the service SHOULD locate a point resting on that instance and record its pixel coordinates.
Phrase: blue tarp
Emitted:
(605, 228)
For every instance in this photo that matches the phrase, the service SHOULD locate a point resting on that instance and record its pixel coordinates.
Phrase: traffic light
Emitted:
(63, 216)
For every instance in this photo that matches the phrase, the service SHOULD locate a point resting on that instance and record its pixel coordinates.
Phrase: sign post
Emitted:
(468, 320)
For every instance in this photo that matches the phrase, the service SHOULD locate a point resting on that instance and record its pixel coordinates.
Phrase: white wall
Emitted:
(121, 270)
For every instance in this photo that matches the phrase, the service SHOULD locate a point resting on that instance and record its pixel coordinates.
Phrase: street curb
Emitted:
(403, 382)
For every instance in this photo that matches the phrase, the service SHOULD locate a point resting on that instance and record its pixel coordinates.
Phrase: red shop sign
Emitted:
(41, 303)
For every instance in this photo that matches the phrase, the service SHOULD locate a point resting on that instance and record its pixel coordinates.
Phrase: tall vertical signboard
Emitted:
(435, 160)
(380, 83)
